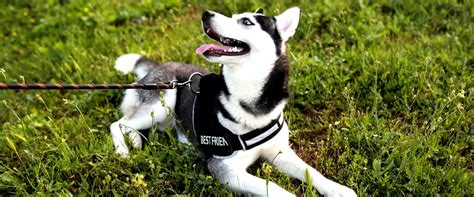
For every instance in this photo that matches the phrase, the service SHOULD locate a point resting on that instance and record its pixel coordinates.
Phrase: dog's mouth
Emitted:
(229, 47)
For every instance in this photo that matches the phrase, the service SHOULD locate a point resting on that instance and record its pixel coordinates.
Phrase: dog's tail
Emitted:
(133, 63)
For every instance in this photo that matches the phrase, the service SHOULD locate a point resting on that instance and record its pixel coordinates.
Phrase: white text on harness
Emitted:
(213, 140)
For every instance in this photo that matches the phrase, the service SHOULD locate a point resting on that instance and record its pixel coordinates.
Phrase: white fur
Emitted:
(261, 44)
(246, 85)
(126, 63)
(143, 117)
(245, 77)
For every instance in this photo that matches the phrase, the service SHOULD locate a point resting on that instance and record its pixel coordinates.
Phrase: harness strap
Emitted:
(262, 135)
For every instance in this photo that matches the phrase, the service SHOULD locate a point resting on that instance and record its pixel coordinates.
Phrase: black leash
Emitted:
(146, 86)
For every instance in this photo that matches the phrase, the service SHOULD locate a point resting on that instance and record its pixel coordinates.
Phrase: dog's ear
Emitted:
(287, 22)
(259, 11)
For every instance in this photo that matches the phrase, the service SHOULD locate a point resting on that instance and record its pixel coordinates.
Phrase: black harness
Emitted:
(213, 138)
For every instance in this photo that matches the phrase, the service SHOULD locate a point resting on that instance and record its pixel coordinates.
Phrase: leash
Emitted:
(146, 86)
(41, 86)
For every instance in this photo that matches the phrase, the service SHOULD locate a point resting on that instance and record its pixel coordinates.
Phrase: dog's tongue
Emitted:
(205, 47)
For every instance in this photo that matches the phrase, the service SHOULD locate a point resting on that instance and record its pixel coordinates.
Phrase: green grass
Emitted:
(382, 95)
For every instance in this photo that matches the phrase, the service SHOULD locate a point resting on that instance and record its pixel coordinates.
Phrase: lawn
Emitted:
(381, 101)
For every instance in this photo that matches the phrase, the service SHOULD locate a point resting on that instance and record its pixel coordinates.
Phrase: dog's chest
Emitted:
(215, 139)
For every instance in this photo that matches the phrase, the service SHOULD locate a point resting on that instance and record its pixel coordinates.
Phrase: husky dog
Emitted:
(237, 116)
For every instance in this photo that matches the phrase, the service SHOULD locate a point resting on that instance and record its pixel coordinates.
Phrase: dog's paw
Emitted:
(335, 189)
(122, 151)
(136, 139)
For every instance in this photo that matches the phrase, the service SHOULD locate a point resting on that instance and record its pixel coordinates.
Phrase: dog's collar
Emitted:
(261, 135)
(212, 137)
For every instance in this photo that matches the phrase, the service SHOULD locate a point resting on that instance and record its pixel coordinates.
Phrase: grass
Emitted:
(382, 96)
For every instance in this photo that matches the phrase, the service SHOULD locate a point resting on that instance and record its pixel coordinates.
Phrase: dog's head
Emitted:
(247, 37)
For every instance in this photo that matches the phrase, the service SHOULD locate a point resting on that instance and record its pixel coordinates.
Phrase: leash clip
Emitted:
(173, 84)
(192, 83)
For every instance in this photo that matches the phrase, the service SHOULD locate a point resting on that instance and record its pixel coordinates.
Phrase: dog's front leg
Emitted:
(237, 179)
(286, 160)
(118, 139)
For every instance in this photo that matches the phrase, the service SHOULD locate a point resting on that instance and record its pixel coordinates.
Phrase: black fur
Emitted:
(224, 86)
(268, 24)
(274, 91)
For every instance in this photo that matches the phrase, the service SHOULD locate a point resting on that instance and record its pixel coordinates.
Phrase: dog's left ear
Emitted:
(259, 11)
(287, 22)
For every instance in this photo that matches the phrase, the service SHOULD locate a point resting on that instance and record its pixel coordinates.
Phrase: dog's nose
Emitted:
(207, 14)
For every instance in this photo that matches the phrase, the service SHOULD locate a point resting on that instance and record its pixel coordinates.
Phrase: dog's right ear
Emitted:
(287, 22)
(259, 11)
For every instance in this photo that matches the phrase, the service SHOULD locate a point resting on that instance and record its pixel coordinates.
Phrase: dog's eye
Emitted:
(246, 21)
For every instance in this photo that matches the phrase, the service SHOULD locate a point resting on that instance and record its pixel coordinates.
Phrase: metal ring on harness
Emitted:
(194, 80)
